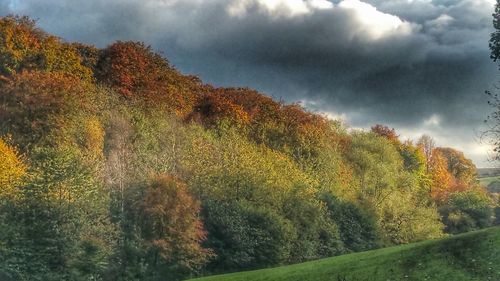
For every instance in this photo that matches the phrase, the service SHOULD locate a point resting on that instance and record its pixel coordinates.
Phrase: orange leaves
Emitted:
(25, 47)
(47, 91)
(303, 122)
(20, 44)
(259, 107)
(31, 101)
(451, 172)
(127, 65)
(135, 71)
(462, 169)
(262, 115)
(441, 179)
(216, 106)
(170, 222)
(117, 67)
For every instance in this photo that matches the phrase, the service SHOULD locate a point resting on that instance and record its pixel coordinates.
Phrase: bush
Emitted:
(357, 229)
(466, 211)
(245, 236)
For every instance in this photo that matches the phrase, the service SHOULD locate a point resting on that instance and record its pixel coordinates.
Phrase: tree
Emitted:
(413, 157)
(494, 42)
(61, 209)
(492, 134)
(215, 107)
(377, 165)
(138, 73)
(12, 169)
(386, 132)
(467, 211)
(402, 211)
(24, 47)
(34, 105)
(462, 169)
(427, 145)
(172, 232)
(317, 233)
(357, 228)
(244, 235)
(442, 180)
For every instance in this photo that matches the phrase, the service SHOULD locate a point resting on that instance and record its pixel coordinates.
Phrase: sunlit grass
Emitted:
(467, 257)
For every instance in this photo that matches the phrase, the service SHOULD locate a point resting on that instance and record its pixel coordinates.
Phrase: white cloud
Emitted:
(275, 7)
(377, 24)
(371, 21)
(440, 22)
(433, 121)
(337, 116)
(321, 4)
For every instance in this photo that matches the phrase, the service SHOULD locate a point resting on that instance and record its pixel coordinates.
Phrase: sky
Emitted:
(419, 66)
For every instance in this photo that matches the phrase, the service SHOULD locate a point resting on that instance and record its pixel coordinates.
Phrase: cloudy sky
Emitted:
(420, 66)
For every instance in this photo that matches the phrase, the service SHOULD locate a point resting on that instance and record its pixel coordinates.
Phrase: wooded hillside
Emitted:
(116, 166)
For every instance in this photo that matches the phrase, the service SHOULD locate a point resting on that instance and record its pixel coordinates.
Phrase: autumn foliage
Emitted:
(45, 97)
(135, 71)
(115, 166)
(25, 47)
(386, 132)
(442, 180)
(170, 224)
(214, 107)
(12, 169)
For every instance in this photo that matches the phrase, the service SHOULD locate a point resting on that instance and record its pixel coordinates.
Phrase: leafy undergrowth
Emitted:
(470, 256)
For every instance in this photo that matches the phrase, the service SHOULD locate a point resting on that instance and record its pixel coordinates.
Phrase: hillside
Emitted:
(471, 256)
(114, 165)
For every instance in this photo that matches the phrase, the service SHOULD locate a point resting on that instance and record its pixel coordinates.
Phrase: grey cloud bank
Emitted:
(420, 66)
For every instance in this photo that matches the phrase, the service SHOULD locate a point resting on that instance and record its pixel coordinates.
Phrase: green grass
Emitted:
(487, 180)
(467, 257)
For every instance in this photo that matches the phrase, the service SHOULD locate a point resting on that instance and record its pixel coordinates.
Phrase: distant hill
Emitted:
(467, 257)
(488, 172)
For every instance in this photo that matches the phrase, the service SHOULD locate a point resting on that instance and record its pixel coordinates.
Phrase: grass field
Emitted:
(467, 257)
(487, 180)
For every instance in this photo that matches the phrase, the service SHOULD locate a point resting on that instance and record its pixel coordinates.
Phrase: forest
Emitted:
(116, 166)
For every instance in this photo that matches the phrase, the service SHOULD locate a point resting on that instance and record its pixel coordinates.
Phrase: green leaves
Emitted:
(468, 210)
(132, 171)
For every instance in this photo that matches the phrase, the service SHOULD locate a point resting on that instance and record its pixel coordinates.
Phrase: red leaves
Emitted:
(135, 71)
(171, 223)
(128, 66)
(250, 107)
(387, 133)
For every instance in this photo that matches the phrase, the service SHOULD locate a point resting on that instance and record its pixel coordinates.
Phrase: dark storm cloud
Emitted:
(421, 65)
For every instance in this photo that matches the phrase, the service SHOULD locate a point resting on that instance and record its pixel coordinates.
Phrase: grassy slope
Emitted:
(470, 256)
(487, 180)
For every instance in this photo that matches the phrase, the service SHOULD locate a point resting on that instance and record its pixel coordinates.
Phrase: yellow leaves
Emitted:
(93, 133)
(232, 167)
(25, 47)
(12, 169)
(63, 57)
